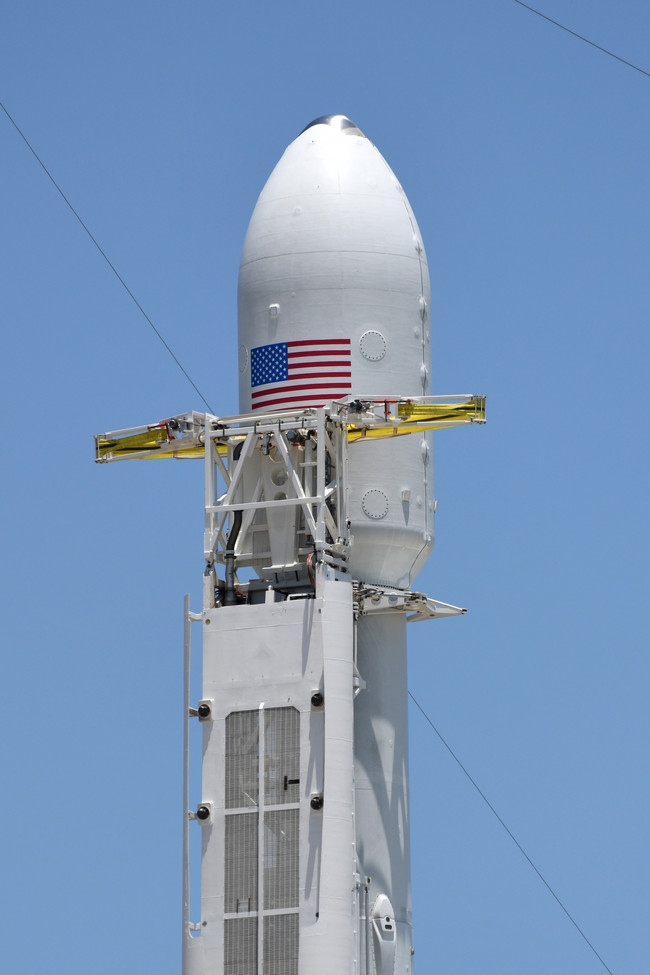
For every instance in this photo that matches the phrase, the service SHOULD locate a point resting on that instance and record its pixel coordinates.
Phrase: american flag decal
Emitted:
(289, 375)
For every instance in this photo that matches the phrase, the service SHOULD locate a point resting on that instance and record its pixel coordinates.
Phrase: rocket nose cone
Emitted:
(340, 123)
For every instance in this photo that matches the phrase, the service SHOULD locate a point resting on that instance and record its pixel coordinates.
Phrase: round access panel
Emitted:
(373, 345)
(374, 504)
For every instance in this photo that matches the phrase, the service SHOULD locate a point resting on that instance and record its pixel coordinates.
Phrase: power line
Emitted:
(104, 254)
(585, 39)
(512, 837)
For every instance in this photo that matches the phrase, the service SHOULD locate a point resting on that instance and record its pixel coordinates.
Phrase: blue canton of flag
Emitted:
(269, 364)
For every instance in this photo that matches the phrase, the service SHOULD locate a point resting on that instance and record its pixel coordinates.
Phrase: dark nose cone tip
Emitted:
(340, 122)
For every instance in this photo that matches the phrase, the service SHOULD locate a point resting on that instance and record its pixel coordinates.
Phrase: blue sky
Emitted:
(524, 154)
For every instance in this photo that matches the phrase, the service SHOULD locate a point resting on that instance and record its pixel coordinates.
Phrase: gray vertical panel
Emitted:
(240, 946)
(242, 759)
(282, 756)
(281, 851)
(281, 945)
(281, 772)
(240, 866)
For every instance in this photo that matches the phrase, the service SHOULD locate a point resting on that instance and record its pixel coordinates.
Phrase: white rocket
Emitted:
(319, 514)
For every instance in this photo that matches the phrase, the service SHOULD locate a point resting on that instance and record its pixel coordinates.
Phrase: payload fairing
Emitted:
(319, 514)
(333, 271)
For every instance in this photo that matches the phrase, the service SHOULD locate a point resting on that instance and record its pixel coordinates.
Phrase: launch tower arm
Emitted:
(177, 436)
(369, 417)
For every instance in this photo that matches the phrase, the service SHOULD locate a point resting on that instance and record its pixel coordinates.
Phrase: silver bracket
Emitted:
(416, 605)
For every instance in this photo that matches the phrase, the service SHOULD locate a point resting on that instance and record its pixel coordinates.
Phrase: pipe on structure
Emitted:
(229, 596)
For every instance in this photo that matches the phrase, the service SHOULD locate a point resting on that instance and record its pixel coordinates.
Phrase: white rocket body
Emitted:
(333, 252)
(305, 840)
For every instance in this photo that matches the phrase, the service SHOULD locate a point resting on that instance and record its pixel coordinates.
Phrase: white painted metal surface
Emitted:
(382, 786)
(261, 661)
(333, 253)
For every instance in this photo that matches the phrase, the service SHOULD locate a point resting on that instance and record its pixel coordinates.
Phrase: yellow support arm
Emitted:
(179, 436)
(414, 417)
(183, 436)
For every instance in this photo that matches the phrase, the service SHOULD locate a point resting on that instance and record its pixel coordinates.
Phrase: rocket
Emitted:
(318, 517)
(333, 271)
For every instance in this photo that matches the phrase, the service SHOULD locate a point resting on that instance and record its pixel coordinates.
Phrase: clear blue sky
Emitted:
(524, 153)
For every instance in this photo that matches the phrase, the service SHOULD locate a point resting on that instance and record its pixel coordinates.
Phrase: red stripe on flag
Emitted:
(296, 389)
(343, 355)
(320, 342)
(319, 375)
(301, 400)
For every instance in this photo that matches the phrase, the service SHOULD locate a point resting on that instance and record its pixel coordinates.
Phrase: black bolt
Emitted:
(203, 812)
(317, 700)
(204, 710)
(316, 802)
